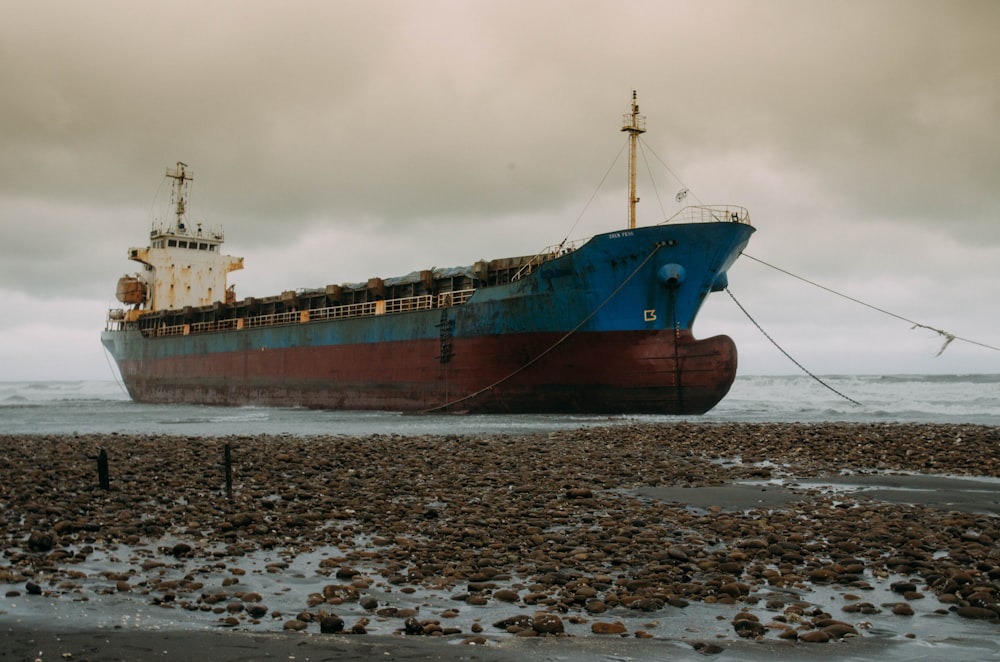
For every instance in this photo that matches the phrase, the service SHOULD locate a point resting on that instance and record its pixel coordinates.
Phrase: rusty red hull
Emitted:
(618, 372)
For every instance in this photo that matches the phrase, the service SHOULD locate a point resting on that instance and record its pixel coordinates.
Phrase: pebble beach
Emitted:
(762, 541)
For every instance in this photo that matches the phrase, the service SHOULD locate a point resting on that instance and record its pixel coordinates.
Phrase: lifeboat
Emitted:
(131, 290)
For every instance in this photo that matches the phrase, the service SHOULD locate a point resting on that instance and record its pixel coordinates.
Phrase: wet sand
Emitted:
(89, 646)
(758, 540)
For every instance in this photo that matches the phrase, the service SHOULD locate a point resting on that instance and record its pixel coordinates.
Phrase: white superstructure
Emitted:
(183, 265)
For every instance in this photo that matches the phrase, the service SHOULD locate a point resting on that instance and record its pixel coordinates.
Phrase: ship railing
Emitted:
(367, 309)
(456, 298)
(219, 325)
(342, 312)
(389, 306)
(408, 304)
(273, 320)
(175, 330)
(546, 254)
(711, 214)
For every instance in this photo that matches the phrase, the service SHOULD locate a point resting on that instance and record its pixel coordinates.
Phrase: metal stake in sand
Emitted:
(102, 471)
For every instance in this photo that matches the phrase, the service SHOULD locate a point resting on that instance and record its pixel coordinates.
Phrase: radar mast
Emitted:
(179, 196)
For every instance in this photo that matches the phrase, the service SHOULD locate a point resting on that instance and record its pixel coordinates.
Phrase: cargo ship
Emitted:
(599, 326)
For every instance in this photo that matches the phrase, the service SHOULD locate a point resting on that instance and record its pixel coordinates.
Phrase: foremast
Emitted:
(634, 124)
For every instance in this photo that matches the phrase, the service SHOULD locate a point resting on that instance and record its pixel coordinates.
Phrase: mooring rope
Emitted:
(948, 337)
(111, 369)
(114, 373)
(554, 345)
(782, 350)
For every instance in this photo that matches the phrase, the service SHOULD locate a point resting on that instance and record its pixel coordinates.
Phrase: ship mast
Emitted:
(635, 124)
(181, 178)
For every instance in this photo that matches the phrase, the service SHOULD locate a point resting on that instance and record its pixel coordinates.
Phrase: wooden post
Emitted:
(102, 471)
(229, 472)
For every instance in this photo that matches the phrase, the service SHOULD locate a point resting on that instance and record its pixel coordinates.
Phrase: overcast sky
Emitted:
(338, 140)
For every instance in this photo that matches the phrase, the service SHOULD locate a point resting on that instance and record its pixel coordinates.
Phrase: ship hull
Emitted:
(604, 329)
(623, 372)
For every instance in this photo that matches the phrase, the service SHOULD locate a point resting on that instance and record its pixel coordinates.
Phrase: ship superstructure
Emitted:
(183, 266)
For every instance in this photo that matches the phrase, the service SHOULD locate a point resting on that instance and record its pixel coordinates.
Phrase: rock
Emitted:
(977, 613)
(734, 589)
(257, 610)
(822, 576)
(546, 623)
(840, 630)
(338, 593)
(677, 554)
(749, 628)
(521, 621)
(646, 604)
(706, 648)
(240, 520)
(814, 637)
(608, 628)
(861, 607)
(295, 625)
(32, 588)
(412, 626)
(900, 608)
(506, 595)
(62, 527)
(40, 542)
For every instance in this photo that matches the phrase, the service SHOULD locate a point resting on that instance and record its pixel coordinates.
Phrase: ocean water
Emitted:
(86, 407)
